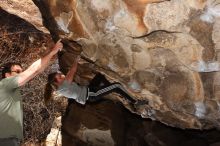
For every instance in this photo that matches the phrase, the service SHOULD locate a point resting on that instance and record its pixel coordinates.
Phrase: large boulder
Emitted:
(162, 51)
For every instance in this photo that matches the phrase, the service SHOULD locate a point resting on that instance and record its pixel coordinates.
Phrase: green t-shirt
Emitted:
(11, 109)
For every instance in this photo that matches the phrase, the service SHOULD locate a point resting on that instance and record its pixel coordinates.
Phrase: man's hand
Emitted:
(39, 65)
(57, 47)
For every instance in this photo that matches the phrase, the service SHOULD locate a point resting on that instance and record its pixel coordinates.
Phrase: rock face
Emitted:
(165, 51)
(97, 125)
(109, 124)
(26, 10)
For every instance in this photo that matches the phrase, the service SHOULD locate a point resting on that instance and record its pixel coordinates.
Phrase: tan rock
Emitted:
(25, 9)
(158, 49)
(166, 52)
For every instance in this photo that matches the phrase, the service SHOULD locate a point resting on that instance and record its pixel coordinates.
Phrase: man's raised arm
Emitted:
(38, 66)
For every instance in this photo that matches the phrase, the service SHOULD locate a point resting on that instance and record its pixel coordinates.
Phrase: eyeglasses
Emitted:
(17, 71)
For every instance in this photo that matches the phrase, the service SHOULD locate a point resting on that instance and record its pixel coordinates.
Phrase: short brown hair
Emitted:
(7, 67)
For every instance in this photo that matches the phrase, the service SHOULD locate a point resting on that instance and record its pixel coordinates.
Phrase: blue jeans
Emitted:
(9, 142)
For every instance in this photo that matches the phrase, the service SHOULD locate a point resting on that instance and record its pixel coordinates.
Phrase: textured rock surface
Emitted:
(164, 51)
(98, 125)
(158, 49)
(24, 9)
(107, 124)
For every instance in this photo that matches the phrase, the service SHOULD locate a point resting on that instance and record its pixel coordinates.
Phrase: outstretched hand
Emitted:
(78, 58)
(57, 47)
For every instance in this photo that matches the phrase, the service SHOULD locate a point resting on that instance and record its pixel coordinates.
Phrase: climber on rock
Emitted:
(11, 110)
(98, 87)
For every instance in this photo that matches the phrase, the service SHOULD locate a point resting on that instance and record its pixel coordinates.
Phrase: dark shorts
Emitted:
(9, 142)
